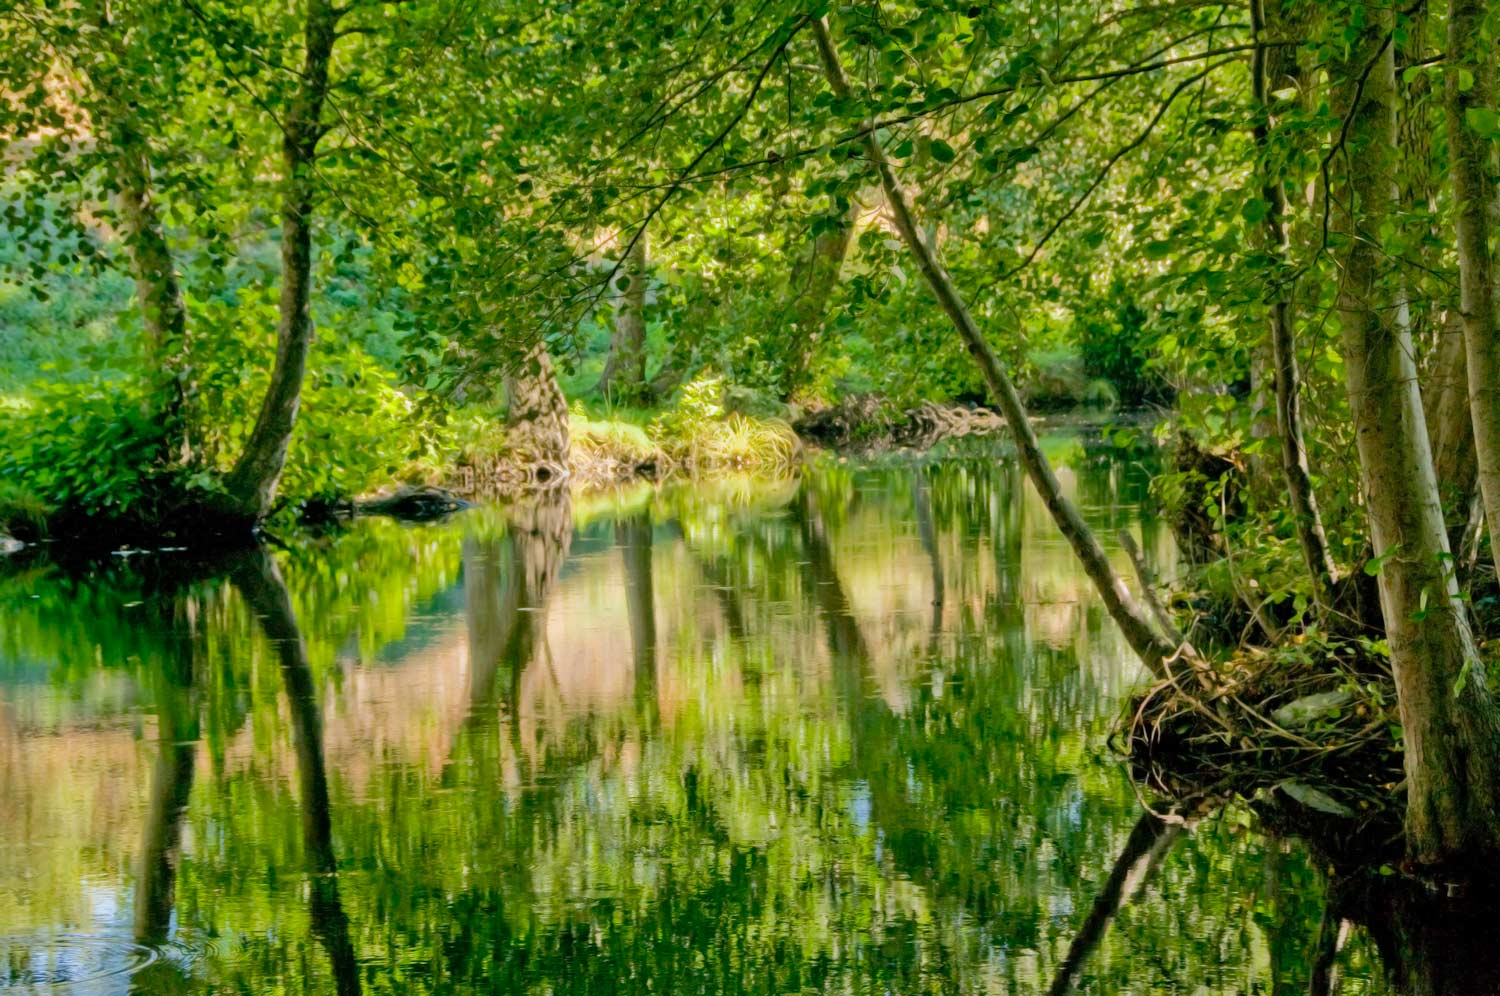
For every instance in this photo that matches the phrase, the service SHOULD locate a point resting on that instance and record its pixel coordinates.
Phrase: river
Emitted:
(844, 733)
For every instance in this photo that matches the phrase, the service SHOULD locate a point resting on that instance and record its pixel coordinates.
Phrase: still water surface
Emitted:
(841, 734)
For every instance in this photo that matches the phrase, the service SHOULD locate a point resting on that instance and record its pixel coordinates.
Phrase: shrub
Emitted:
(87, 448)
(698, 434)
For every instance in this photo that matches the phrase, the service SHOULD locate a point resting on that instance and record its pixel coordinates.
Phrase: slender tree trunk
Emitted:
(1415, 193)
(1282, 296)
(251, 485)
(624, 377)
(1471, 59)
(1450, 428)
(1139, 632)
(1450, 722)
(538, 420)
(809, 306)
(152, 266)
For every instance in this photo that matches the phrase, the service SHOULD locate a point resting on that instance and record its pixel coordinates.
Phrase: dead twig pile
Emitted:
(1311, 720)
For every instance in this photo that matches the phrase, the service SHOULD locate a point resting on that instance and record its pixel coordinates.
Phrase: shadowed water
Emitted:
(841, 734)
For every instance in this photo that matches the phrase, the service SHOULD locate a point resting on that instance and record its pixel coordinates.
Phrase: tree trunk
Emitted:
(1451, 726)
(624, 377)
(809, 305)
(163, 314)
(1474, 196)
(1153, 648)
(1282, 295)
(538, 419)
(1450, 429)
(251, 485)
(152, 267)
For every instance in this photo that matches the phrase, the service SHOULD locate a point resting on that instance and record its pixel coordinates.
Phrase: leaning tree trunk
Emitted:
(538, 421)
(1152, 647)
(1470, 59)
(624, 377)
(1282, 296)
(1450, 721)
(251, 486)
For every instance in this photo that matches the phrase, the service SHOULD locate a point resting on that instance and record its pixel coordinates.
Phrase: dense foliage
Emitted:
(362, 237)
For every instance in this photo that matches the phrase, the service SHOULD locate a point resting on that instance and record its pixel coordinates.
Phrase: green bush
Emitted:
(698, 434)
(86, 448)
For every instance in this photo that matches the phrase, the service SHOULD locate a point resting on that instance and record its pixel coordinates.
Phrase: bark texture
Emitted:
(1153, 648)
(1474, 196)
(624, 377)
(163, 314)
(1280, 302)
(1451, 727)
(538, 420)
(251, 485)
(1450, 429)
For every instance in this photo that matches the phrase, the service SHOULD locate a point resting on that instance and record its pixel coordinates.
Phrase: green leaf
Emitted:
(1484, 122)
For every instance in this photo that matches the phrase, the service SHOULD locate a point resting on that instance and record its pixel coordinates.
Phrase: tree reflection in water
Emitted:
(842, 735)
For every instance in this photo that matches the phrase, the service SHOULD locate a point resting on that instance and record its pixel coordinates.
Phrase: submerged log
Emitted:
(413, 504)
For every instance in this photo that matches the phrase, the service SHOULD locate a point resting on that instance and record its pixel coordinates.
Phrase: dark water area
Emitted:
(848, 733)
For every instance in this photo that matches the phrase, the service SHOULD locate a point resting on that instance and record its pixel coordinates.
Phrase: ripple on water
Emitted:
(45, 961)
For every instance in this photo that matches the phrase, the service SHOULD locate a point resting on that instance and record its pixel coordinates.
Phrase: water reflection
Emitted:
(846, 733)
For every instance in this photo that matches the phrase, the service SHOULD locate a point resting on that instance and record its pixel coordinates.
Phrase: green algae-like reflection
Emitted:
(840, 734)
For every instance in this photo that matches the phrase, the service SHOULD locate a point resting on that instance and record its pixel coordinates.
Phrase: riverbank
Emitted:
(607, 448)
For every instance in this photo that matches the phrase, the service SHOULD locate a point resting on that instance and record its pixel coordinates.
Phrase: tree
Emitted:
(1450, 722)
(250, 487)
(1473, 127)
(1142, 635)
(624, 377)
(1280, 306)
